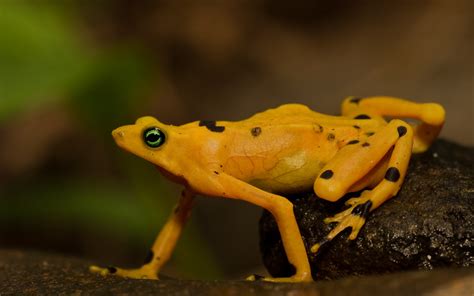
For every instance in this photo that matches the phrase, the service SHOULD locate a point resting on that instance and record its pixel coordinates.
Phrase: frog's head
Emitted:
(147, 138)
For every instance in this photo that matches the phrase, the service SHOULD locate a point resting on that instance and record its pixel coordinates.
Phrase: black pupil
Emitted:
(154, 137)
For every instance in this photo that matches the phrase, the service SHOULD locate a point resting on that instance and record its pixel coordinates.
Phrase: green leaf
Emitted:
(115, 87)
(107, 208)
(40, 56)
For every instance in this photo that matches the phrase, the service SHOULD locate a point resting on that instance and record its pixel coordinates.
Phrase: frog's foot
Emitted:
(353, 217)
(292, 279)
(145, 272)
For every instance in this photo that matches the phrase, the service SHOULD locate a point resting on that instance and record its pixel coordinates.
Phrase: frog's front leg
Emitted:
(282, 210)
(162, 247)
(352, 163)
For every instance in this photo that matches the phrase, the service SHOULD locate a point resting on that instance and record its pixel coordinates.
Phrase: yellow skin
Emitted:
(282, 151)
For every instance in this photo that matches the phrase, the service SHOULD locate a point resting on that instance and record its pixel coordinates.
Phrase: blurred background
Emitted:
(71, 71)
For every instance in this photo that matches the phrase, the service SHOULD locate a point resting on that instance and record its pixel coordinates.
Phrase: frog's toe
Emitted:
(332, 219)
(353, 221)
(140, 273)
(306, 277)
(254, 277)
(353, 217)
(338, 217)
(359, 206)
(317, 247)
(363, 198)
(103, 271)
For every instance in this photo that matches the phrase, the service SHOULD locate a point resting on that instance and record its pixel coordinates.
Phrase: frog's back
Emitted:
(296, 116)
(285, 115)
(279, 150)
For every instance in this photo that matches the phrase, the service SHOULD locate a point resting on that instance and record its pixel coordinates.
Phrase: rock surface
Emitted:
(34, 273)
(429, 224)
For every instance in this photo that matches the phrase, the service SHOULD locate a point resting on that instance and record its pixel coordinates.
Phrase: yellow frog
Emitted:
(284, 150)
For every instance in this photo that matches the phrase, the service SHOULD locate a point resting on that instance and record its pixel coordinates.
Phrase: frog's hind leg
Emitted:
(163, 246)
(352, 164)
(431, 115)
(282, 210)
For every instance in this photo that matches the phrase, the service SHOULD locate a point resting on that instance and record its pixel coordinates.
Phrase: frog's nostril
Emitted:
(118, 134)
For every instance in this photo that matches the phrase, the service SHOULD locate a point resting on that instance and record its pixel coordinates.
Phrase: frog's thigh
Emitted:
(431, 115)
(282, 210)
(353, 162)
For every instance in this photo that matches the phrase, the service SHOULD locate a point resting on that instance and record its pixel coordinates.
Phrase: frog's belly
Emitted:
(290, 175)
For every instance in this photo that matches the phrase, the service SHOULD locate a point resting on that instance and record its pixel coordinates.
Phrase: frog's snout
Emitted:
(118, 134)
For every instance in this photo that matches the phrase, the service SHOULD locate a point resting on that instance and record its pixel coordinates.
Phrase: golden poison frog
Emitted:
(283, 151)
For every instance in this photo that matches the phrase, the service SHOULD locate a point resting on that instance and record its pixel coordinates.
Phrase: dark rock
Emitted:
(34, 273)
(429, 224)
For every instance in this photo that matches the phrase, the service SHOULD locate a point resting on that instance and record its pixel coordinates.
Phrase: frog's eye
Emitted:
(154, 137)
